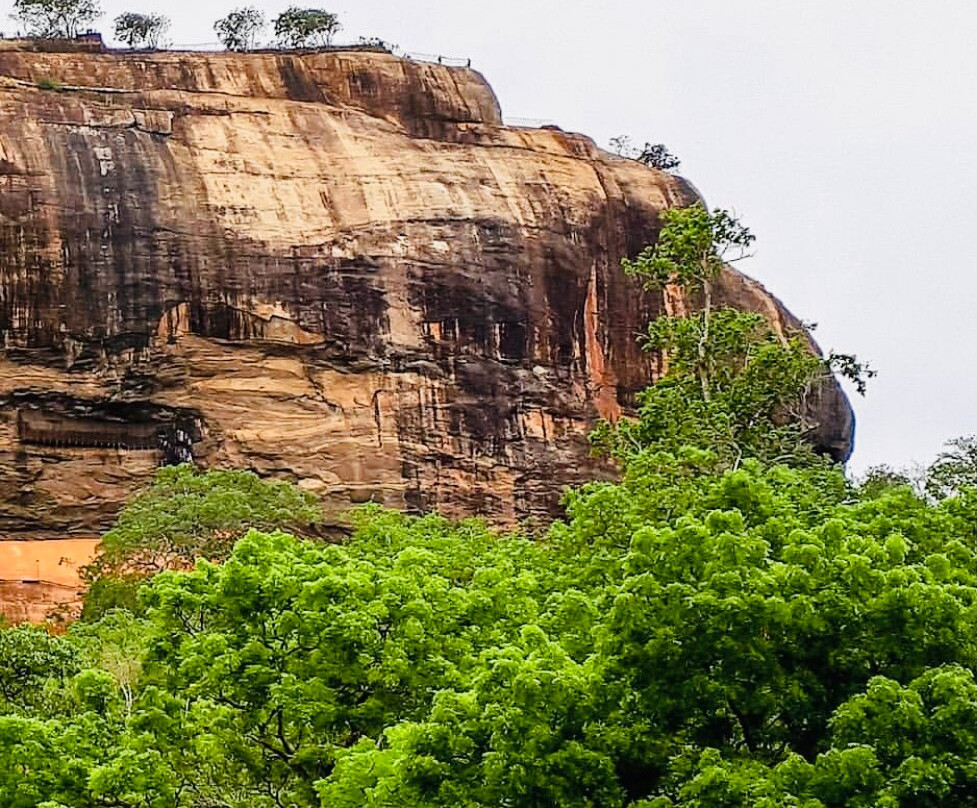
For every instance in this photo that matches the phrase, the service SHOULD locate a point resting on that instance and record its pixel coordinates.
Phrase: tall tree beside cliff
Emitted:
(732, 383)
(56, 18)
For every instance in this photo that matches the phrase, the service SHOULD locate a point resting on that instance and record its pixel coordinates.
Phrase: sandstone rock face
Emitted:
(38, 578)
(340, 268)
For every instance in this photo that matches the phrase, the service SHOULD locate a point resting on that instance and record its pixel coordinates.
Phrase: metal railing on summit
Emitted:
(270, 47)
(411, 56)
(528, 123)
(448, 61)
(207, 47)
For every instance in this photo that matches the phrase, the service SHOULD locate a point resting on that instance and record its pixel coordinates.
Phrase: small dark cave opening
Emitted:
(63, 421)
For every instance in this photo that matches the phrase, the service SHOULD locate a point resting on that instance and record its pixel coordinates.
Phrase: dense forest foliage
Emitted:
(732, 623)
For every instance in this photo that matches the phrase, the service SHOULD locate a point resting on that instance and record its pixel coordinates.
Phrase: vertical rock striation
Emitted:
(337, 267)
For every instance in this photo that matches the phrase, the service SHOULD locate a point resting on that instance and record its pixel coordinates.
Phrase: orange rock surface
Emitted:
(340, 268)
(39, 577)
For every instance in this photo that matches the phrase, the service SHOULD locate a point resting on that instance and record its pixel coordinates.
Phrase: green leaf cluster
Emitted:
(731, 382)
(692, 248)
(188, 514)
(306, 27)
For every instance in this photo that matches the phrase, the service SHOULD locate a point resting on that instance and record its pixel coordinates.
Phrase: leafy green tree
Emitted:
(718, 649)
(894, 746)
(297, 651)
(141, 30)
(116, 644)
(518, 737)
(690, 253)
(29, 772)
(955, 469)
(305, 27)
(31, 662)
(188, 514)
(56, 18)
(732, 384)
(239, 30)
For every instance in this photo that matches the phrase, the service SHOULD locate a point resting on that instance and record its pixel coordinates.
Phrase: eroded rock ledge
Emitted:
(339, 267)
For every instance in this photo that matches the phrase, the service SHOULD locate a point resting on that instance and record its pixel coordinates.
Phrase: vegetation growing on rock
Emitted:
(141, 30)
(56, 18)
(305, 27)
(239, 30)
(655, 155)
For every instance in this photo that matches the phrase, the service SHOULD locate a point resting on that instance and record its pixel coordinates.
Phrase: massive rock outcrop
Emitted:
(338, 267)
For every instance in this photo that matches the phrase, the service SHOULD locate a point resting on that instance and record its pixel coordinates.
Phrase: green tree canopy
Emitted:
(693, 635)
(141, 30)
(305, 27)
(188, 514)
(56, 18)
(31, 662)
(239, 30)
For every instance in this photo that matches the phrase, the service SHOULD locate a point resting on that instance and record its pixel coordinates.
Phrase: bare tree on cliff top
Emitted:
(305, 27)
(239, 29)
(56, 19)
(655, 155)
(141, 30)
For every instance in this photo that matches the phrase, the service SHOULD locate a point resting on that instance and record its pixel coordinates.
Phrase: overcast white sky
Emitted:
(844, 134)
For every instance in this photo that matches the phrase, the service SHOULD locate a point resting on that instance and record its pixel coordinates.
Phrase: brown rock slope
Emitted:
(337, 267)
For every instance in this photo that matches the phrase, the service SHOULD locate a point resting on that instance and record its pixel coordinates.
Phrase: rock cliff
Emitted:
(339, 267)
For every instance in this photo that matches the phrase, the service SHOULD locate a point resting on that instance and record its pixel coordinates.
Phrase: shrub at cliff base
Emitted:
(188, 514)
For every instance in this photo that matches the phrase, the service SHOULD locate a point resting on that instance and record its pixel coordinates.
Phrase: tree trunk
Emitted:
(703, 368)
